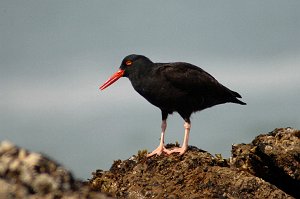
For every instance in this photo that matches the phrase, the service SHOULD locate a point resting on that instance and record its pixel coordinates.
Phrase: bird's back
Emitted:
(183, 86)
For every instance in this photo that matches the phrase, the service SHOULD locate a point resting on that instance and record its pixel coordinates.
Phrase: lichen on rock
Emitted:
(269, 167)
(196, 174)
(274, 157)
(25, 174)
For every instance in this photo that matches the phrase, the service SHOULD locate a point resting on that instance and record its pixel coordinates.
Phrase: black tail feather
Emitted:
(235, 96)
(237, 101)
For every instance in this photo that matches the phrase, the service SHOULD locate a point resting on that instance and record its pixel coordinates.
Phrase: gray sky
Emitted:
(55, 54)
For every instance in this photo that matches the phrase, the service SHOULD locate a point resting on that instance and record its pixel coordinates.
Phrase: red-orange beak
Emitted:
(112, 79)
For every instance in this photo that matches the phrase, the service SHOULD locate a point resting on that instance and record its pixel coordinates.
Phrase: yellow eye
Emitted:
(128, 62)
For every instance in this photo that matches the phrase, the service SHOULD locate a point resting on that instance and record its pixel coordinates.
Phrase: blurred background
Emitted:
(54, 55)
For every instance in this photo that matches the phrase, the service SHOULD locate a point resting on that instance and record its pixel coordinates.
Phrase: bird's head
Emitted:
(129, 64)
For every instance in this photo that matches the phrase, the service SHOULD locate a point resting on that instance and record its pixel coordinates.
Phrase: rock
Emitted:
(196, 174)
(269, 167)
(24, 174)
(274, 157)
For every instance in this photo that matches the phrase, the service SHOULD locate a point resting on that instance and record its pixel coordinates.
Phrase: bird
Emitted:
(173, 87)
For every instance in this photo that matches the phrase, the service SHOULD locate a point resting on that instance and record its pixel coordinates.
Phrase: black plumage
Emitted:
(173, 87)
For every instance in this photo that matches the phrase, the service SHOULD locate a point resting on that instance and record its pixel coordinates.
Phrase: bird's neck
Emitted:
(140, 72)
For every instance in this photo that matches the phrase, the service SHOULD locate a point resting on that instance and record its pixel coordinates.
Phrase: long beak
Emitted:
(112, 79)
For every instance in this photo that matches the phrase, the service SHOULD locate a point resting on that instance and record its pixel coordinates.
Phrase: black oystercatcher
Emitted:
(173, 87)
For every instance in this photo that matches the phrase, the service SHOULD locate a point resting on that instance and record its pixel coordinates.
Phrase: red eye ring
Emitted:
(128, 62)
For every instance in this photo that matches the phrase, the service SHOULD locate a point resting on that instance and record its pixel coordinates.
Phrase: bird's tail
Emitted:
(237, 101)
(235, 96)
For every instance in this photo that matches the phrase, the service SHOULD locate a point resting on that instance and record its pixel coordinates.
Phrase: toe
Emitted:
(167, 151)
(180, 150)
(158, 151)
(152, 154)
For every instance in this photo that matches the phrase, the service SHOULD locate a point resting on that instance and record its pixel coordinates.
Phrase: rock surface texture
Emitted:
(24, 174)
(269, 167)
(266, 168)
(274, 157)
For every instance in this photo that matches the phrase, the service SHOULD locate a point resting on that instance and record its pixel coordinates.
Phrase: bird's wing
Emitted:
(188, 77)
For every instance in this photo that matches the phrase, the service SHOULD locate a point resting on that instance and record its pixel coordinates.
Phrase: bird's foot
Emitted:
(180, 150)
(159, 150)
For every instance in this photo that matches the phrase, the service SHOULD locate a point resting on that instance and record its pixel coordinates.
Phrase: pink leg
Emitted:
(161, 148)
(185, 144)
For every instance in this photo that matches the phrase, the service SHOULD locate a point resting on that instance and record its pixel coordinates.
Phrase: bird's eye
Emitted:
(128, 62)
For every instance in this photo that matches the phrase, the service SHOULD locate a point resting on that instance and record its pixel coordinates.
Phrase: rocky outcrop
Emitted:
(274, 157)
(266, 168)
(197, 174)
(25, 174)
(269, 167)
